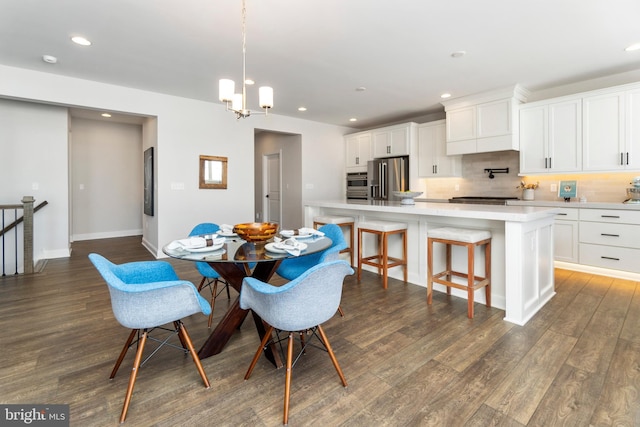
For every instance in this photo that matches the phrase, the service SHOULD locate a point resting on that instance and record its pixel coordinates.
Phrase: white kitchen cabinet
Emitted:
(610, 238)
(565, 235)
(551, 137)
(603, 132)
(432, 157)
(392, 141)
(632, 127)
(484, 123)
(358, 147)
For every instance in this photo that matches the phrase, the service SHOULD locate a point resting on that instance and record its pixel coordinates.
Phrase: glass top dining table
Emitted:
(234, 261)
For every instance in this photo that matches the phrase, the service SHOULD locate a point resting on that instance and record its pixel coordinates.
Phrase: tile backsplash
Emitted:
(596, 187)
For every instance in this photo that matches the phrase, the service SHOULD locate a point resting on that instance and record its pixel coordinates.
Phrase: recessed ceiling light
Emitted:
(249, 82)
(105, 115)
(353, 119)
(302, 108)
(445, 95)
(635, 46)
(81, 41)
(361, 89)
(49, 59)
(458, 54)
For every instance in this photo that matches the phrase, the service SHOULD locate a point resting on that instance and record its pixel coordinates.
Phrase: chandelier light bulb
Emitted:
(265, 96)
(226, 88)
(236, 103)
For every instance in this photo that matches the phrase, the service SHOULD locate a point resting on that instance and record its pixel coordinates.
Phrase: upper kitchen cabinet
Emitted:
(358, 146)
(432, 156)
(611, 131)
(484, 123)
(393, 140)
(551, 137)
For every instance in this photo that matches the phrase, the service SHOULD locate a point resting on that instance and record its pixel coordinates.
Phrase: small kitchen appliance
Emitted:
(634, 192)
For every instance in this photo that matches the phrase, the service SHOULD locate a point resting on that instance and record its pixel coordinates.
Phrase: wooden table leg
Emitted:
(234, 274)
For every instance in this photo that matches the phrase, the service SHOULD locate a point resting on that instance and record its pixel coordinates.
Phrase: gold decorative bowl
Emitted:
(256, 231)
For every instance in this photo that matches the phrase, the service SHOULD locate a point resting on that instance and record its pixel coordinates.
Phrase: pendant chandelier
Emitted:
(237, 102)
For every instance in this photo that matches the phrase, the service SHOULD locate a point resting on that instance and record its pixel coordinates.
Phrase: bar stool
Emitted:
(340, 221)
(460, 237)
(382, 260)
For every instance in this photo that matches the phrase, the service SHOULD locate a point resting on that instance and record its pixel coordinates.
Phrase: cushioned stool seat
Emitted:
(340, 221)
(460, 237)
(382, 260)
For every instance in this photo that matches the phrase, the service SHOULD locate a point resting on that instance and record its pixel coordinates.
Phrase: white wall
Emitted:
(185, 128)
(106, 175)
(33, 162)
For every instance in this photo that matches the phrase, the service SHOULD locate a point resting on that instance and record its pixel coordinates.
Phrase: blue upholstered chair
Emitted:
(210, 277)
(144, 296)
(292, 268)
(302, 304)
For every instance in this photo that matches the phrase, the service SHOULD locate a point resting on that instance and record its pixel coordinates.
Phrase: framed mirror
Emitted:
(213, 172)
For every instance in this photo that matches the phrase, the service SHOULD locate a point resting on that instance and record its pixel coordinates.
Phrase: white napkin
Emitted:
(226, 228)
(195, 242)
(188, 243)
(306, 230)
(291, 246)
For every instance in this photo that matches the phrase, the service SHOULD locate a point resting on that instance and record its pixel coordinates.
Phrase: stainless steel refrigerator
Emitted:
(386, 176)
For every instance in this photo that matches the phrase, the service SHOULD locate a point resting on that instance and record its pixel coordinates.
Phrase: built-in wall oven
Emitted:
(357, 186)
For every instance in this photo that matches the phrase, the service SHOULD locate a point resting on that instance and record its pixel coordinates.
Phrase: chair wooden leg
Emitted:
(263, 343)
(325, 341)
(340, 311)
(287, 379)
(132, 335)
(214, 290)
(201, 283)
(184, 336)
(134, 374)
(228, 294)
(176, 325)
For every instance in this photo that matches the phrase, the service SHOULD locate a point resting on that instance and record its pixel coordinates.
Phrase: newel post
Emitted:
(27, 228)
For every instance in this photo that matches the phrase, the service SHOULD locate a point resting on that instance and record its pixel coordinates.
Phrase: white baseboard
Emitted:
(106, 235)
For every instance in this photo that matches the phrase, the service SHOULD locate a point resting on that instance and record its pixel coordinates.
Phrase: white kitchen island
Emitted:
(521, 253)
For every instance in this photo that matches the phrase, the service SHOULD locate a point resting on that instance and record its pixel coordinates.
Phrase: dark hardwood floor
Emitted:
(576, 363)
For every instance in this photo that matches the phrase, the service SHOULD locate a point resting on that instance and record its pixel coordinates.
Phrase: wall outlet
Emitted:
(553, 188)
(456, 187)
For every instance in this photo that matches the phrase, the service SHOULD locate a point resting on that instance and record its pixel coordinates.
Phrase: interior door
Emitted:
(272, 188)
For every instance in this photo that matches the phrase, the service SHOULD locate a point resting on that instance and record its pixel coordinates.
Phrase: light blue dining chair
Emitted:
(292, 268)
(144, 296)
(300, 305)
(210, 277)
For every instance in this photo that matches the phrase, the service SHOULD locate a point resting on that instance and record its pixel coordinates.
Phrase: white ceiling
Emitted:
(315, 53)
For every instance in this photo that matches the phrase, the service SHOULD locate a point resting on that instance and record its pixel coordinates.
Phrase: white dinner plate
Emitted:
(304, 236)
(232, 234)
(206, 248)
(277, 247)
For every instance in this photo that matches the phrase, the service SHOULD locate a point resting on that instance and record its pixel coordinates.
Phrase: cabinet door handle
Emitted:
(609, 235)
(549, 162)
(627, 158)
(561, 214)
(357, 160)
(609, 216)
(545, 162)
(611, 258)
(621, 158)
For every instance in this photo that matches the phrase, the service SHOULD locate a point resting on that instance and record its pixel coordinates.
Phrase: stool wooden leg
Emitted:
(385, 259)
(448, 266)
(404, 255)
(487, 272)
(429, 271)
(359, 254)
(351, 242)
(470, 280)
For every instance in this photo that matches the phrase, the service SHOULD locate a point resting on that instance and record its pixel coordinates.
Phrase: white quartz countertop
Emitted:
(521, 213)
(576, 205)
